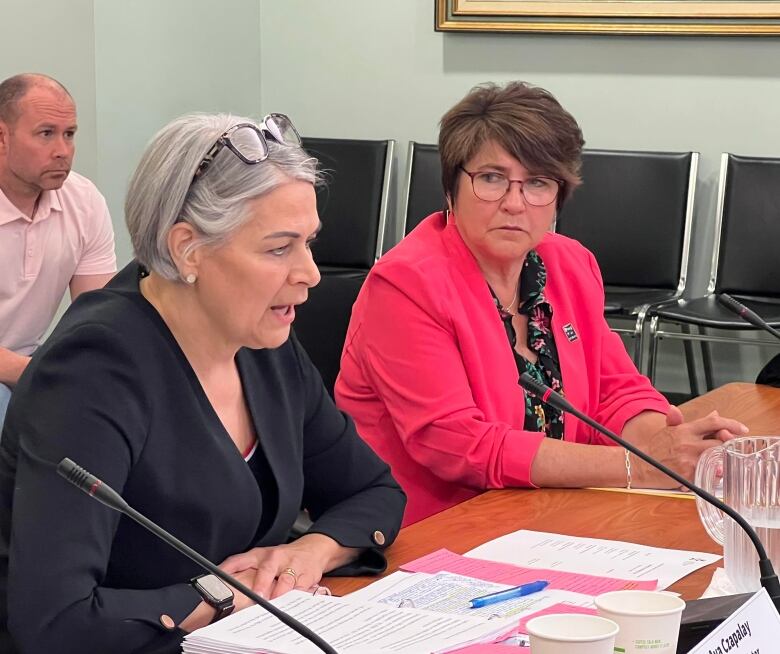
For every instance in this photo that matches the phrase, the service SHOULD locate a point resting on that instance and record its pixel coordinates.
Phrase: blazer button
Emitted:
(379, 537)
(167, 622)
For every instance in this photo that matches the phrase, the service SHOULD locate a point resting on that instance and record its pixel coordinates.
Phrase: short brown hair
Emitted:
(527, 121)
(13, 89)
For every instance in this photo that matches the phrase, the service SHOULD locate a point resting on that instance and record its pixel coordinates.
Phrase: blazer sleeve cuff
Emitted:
(370, 562)
(371, 540)
(175, 602)
(520, 450)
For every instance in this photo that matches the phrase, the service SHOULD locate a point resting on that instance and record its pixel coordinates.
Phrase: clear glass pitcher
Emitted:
(750, 484)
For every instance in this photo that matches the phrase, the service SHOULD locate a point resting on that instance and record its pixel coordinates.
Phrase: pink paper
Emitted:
(504, 573)
(490, 648)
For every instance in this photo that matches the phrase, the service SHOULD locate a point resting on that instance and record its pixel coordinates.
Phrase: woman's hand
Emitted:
(679, 444)
(275, 570)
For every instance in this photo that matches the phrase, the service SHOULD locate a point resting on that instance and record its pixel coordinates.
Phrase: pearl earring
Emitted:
(191, 278)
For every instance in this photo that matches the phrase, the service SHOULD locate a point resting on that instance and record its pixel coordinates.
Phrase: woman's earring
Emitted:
(191, 278)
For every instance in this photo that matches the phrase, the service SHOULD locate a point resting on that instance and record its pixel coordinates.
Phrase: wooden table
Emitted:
(643, 519)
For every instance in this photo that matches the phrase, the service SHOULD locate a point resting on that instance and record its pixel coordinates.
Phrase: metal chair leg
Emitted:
(690, 362)
(639, 332)
(706, 357)
(653, 353)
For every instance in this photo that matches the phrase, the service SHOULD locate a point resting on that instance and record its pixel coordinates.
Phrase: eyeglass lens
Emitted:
(537, 191)
(248, 143)
(281, 129)
(251, 144)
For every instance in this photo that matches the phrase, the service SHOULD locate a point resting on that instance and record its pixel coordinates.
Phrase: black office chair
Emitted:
(745, 261)
(424, 192)
(353, 202)
(634, 212)
(321, 322)
(353, 209)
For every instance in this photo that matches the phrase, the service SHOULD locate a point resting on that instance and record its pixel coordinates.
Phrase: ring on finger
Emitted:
(291, 572)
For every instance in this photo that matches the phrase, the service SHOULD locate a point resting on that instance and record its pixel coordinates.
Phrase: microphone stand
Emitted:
(103, 493)
(770, 373)
(702, 625)
(746, 314)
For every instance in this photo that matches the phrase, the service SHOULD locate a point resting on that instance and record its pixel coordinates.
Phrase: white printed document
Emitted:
(593, 556)
(350, 627)
(451, 593)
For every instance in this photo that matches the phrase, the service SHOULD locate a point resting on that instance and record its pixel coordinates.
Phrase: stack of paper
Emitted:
(577, 569)
(349, 626)
(426, 610)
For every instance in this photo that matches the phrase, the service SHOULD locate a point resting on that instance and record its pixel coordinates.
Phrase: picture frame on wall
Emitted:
(661, 17)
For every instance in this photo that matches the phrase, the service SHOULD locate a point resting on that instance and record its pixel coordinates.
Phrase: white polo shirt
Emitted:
(71, 234)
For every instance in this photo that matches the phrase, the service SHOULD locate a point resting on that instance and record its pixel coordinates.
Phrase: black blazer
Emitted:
(112, 390)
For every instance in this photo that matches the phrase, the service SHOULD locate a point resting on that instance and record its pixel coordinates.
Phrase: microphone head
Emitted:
(75, 474)
(534, 387)
(545, 394)
(67, 468)
(730, 303)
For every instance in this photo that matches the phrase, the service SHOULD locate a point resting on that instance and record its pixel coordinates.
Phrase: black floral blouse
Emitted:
(533, 277)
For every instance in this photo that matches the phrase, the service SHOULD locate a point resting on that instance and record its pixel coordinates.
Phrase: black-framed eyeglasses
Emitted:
(248, 141)
(492, 186)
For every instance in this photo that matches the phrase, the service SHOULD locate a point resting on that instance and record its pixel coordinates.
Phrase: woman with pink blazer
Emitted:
(473, 297)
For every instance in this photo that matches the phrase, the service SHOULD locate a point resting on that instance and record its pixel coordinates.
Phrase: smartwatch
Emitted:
(215, 593)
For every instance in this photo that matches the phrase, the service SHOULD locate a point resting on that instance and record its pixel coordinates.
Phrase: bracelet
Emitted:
(628, 470)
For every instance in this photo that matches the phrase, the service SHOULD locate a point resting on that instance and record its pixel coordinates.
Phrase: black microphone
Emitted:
(746, 314)
(94, 487)
(770, 373)
(700, 616)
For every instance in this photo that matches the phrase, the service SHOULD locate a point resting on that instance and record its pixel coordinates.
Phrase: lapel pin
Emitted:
(571, 334)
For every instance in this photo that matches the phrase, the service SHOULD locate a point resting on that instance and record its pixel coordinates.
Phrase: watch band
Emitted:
(215, 593)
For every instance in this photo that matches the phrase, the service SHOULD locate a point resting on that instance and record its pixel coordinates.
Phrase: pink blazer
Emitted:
(429, 376)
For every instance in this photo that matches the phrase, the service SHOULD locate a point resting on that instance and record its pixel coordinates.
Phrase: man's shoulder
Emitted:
(79, 191)
(83, 209)
(77, 182)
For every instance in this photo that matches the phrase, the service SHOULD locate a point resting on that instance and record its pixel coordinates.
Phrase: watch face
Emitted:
(215, 587)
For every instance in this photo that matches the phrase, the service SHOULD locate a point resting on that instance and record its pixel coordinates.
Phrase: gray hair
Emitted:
(13, 89)
(161, 191)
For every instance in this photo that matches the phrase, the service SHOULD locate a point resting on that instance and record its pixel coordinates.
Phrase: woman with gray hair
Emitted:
(180, 386)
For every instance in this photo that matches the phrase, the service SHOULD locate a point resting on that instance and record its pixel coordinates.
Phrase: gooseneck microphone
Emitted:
(768, 577)
(746, 314)
(770, 373)
(103, 493)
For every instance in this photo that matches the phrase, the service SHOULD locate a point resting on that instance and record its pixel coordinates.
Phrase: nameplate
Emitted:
(754, 628)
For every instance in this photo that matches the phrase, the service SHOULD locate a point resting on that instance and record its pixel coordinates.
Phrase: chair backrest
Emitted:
(321, 322)
(424, 192)
(353, 203)
(634, 212)
(746, 257)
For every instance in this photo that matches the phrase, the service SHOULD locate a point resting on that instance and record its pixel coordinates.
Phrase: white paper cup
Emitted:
(649, 620)
(571, 633)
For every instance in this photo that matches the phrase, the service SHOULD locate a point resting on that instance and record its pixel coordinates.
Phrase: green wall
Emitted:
(56, 38)
(377, 69)
(133, 66)
(155, 60)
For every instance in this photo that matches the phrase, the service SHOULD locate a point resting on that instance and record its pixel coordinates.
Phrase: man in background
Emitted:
(55, 229)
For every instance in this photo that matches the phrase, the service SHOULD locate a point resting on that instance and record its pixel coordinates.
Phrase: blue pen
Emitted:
(511, 593)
